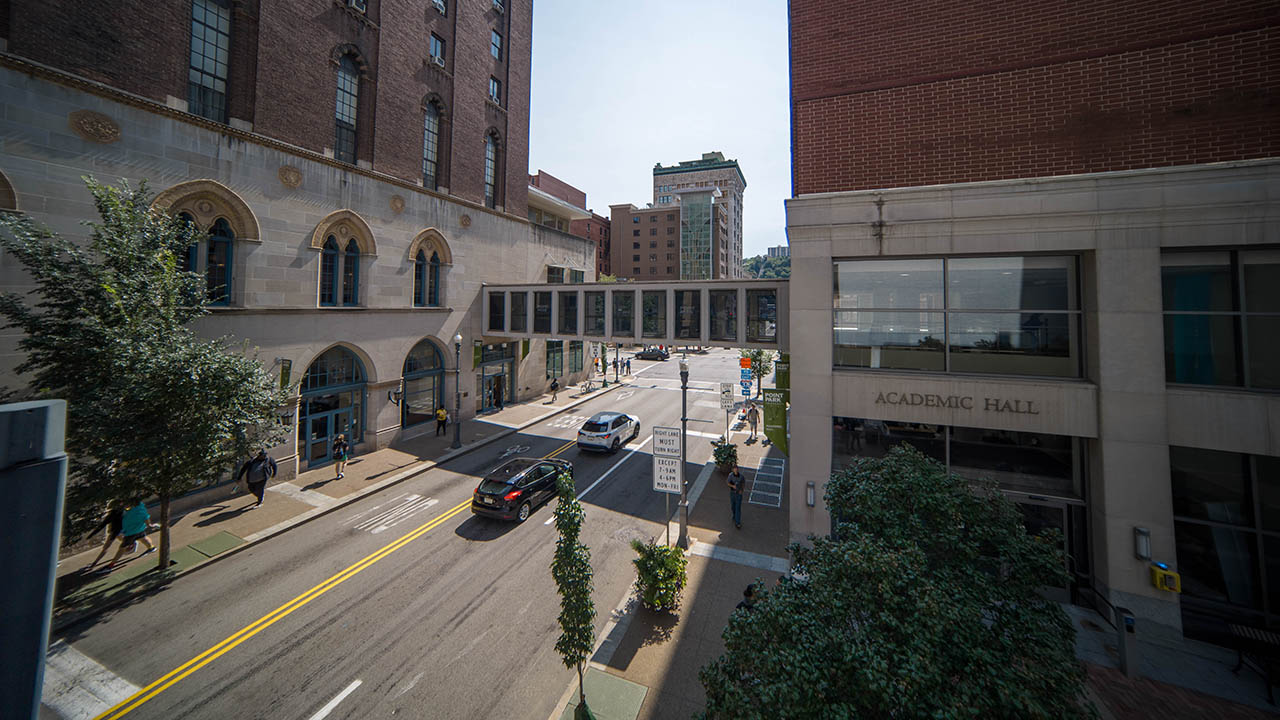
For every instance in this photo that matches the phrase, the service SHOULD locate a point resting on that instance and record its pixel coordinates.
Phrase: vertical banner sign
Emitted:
(775, 417)
(286, 368)
(524, 349)
(782, 372)
(477, 352)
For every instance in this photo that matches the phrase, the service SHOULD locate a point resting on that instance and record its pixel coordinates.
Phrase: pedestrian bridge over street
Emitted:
(741, 313)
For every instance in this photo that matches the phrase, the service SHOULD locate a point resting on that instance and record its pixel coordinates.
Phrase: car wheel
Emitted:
(636, 434)
(524, 513)
(617, 443)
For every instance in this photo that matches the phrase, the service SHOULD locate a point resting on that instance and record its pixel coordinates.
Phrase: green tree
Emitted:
(761, 365)
(154, 411)
(607, 278)
(571, 569)
(762, 266)
(924, 604)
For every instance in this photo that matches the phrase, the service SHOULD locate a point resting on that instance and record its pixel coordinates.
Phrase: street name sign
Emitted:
(666, 442)
(726, 396)
(744, 374)
(667, 475)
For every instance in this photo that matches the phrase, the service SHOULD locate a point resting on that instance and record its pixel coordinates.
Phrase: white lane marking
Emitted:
(328, 708)
(397, 514)
(766, 485)
(514, 450)
(626, 394)
(606, 474)
(403, 515)
(78, 688)
(375, 507)
(566, 421)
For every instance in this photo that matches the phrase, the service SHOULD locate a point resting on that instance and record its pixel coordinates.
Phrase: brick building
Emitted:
(577, 219)
(712, 170)
(359, 165)
(1037, 242)
(646, 242)
(597, 229)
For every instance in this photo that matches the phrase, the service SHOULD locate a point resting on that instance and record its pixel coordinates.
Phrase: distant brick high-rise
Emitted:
(711, 171)
(573, 216)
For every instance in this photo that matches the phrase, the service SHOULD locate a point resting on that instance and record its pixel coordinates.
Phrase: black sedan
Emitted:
(515, 488)
(653, 353)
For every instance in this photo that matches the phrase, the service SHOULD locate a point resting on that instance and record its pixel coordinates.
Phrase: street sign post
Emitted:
(668, 470)
(726, 404)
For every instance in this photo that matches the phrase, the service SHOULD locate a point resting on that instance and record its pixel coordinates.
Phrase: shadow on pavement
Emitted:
(211, 517)
(483, 529)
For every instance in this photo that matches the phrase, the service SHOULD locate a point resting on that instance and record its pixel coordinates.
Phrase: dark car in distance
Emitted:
(512, 490)
(653, 353)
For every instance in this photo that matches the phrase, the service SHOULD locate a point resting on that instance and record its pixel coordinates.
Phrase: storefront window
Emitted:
(1222, 318)
(999, 315)
(1226, 520)
(1036, 463)
(724, 314)
(423, 384)
(555, 358)
(575, 356)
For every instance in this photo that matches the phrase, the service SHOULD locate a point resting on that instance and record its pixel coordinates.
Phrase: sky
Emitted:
(619, 86)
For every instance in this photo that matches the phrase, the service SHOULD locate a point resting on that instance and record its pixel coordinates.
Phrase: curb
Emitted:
(58, 625)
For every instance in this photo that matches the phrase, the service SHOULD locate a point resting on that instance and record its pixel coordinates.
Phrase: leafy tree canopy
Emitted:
(763, 266)
(923, 605)
(153, 410)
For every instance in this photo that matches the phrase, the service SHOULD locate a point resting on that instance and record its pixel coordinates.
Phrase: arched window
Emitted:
(329, 273)
(431, 146)
(344, 144)
(490, 170)
(420, 280)
(351, 274)
(333, 400)
(190, 261)
(423, 384)
(433, 298)
(218, 263)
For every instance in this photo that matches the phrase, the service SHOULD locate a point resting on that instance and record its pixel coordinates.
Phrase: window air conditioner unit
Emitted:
(360, 5)
(495, 98)
(438, 59)
(439, 5)
(497, 5)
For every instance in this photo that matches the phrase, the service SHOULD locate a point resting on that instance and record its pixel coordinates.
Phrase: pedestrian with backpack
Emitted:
(555, 388)
(135, 523)
(340, 452)
(257, 472)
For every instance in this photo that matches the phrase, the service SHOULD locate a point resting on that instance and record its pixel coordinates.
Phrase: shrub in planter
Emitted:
(660, 574)
(725, 455)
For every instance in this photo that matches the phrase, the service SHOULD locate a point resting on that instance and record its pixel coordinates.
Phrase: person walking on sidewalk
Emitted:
(736, 485)
(340, 451)
(256, 473)
(555, 389)
(748, 599)
(135, 523)
(753, 418)
(442, 420)
(113, 522)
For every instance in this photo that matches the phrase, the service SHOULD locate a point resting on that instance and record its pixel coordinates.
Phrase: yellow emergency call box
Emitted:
(1164, 578)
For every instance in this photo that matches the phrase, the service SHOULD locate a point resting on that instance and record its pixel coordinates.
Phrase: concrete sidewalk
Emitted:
(227, 521)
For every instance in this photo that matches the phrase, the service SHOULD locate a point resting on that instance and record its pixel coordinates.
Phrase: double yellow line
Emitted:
(136, 700)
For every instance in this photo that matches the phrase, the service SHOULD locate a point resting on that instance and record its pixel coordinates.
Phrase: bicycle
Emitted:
(587, 386)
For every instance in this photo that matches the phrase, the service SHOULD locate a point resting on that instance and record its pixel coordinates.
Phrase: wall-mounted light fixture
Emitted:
(1142, 544)
(394, 396)
(810, 494)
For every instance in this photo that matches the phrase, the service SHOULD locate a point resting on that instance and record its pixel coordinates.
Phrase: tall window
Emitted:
(490, 171)
(495, 90)
(329, 273)
(436, 47)
(433, 278)
(1222, 318)
(555, 358)
(420, 280)
(575, 356)
(191, 260)
(339, 274)
(430, 146)
(210, 48)
(344, 147)
(423, 384)
(495, 44)
(351, 274)
(218, 264)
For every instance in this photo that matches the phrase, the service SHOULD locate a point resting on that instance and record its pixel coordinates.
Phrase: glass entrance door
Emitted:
(322, 429)
(494, 386)
(1039, 516)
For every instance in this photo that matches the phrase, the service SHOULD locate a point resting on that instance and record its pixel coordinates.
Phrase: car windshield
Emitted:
(595, 427)
(504, 476)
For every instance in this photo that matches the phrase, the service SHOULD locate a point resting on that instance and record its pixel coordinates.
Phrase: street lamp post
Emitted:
(457, 391)
(683, 540)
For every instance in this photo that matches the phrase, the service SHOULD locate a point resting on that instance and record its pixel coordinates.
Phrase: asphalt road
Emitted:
(449, 615)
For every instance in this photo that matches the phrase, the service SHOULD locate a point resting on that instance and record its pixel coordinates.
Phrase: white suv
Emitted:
(608, 431)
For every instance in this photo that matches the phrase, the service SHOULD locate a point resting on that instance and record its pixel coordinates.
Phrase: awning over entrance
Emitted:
(714, 313)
